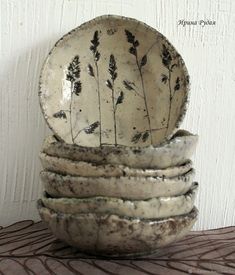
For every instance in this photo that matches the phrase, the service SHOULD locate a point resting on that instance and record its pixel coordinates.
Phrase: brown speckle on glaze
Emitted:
(110, 235)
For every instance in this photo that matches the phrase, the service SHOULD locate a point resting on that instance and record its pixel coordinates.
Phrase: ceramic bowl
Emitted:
(116, 236)
(174, 152)
(114, 80)
(57, 185)
(86, 169)
(153, 208)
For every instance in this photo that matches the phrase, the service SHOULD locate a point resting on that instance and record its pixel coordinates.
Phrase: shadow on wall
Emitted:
(23, 129)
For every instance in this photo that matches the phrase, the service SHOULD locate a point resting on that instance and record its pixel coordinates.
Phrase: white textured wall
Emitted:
(29, 28)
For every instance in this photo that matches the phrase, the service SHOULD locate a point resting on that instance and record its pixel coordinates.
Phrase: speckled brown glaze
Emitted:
(173, 152)
(125, 87)
(115, 236)
(121, 187)
(153, 208)
(86, 169)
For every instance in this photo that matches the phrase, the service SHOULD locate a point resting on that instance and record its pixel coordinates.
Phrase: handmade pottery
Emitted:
(116, 81)
(57, 185)
(174, 152)
(154, 208)
(112, 235)
(86, 169)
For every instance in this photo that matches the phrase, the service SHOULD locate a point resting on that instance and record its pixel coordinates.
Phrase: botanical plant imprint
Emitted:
(73, 76)
(120, 98)
(168, 62)
(95, 73)
(130, 85)
(118, 83)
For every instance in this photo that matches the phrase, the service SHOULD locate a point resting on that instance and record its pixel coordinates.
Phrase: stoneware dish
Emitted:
(57, 185)
(116, 81)
(154, 208)
(173, 152)
(86, 169)
(114, 236)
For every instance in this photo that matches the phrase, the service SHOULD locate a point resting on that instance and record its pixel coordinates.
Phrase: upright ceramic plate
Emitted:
(113, 81)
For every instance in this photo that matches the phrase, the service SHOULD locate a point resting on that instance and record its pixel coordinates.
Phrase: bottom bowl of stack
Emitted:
(116, 236)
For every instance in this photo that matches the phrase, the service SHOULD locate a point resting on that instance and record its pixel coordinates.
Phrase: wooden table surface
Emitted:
(29, 248)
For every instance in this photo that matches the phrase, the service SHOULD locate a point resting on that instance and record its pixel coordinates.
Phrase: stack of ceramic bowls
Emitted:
(116, 183)
(114, 200)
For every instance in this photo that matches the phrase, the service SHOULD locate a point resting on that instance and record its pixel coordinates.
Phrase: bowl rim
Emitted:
(65, 200)
(180, 135)
(192, 215)
(63, 177)
(45, 156)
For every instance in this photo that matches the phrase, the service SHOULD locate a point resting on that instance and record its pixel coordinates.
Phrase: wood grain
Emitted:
(29, 248)
(29, 28)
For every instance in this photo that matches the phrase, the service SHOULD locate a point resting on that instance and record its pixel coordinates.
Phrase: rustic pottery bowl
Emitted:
(173, 152)
(153, 208)
(86, 169)
(116, 81)
(116, 236)
(57, 185)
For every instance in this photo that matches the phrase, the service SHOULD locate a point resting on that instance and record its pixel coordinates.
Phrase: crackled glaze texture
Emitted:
(112, 235)
(173, 152)
(113, 81)
(154, 208)
(86, 169)
(57, 185)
